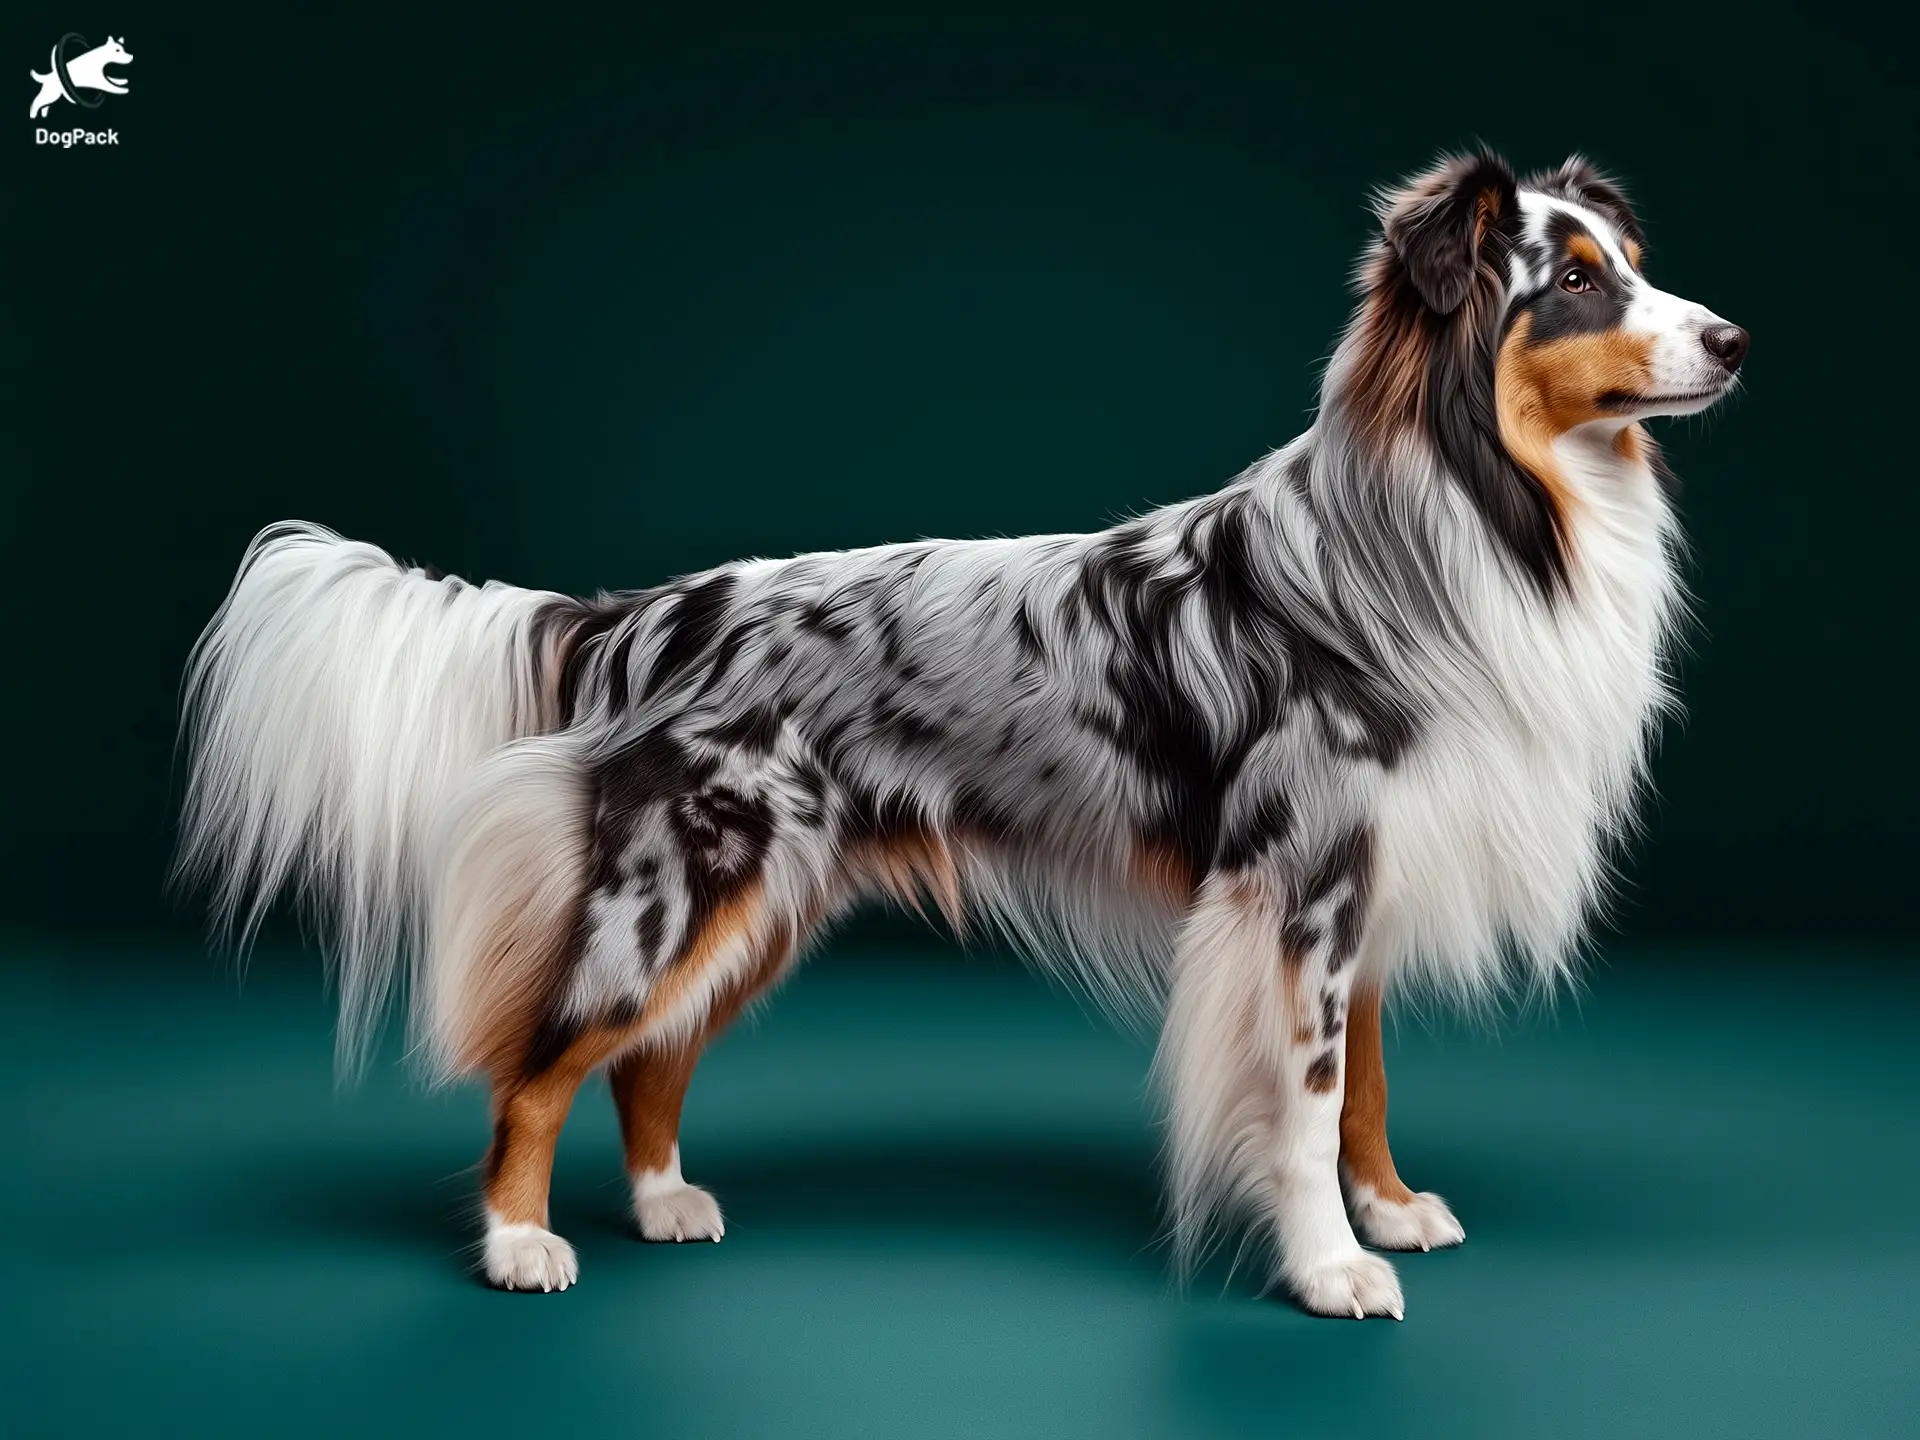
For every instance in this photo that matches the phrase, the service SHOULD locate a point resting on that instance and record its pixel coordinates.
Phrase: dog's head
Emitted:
(113, 52)
(1501, 319)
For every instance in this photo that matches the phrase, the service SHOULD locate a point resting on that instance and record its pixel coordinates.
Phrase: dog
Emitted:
(88, 71)
(1374, 714)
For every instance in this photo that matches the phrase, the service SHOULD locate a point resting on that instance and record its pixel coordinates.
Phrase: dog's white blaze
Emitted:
(1539, 210)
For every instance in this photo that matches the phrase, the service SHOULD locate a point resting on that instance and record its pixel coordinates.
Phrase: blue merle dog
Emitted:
(1373, 713)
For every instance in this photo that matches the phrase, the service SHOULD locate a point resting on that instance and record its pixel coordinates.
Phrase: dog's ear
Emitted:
(1578, 181)
(1438, 223)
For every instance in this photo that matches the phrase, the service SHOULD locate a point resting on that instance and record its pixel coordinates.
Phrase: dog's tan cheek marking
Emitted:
(1632, 247)
(1543, 391)
(1574, 373)
(1363, 1112)
(1520, 409)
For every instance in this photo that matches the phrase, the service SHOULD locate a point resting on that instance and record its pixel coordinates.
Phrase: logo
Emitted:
(76, 73)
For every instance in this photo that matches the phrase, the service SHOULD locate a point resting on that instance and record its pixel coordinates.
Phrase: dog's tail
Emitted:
(338, 712)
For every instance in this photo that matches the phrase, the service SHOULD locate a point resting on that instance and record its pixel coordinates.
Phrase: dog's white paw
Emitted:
(681, 1212)
(526, 1257)
(1351, 1286)
(1422, 1223)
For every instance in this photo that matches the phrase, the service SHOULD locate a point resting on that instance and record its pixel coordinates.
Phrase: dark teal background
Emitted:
(585, 299)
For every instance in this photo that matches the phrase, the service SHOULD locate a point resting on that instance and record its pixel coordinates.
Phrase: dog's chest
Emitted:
(1494, 830)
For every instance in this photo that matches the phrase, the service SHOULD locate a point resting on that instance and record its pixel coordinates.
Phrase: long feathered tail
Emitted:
(340, 713)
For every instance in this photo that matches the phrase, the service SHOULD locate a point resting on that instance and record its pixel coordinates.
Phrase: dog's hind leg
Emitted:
(649, 1084)
(1385, 1212)
(648, 1088)
(653, 1044)
(530, 1104)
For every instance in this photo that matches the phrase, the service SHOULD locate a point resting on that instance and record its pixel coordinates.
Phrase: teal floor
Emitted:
(1689, 1199)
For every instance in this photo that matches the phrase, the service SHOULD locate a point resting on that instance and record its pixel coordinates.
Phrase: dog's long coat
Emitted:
(1374, 709)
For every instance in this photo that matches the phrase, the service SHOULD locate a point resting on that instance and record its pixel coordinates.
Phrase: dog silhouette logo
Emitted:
(76, 71)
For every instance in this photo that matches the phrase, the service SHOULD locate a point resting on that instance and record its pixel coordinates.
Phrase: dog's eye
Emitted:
(1575, 282)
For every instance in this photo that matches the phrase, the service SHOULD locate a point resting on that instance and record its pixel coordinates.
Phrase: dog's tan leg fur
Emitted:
(528, 1115)
(648, 1089)
(649, 1086)
(528, 1111)
(1385, 1212)
(1364, 1154)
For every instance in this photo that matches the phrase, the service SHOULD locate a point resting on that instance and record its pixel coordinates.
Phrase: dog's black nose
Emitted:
(1727, 344)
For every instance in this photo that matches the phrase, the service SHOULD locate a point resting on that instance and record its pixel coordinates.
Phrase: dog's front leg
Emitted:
(1253, 1058)
(1320, 1258)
